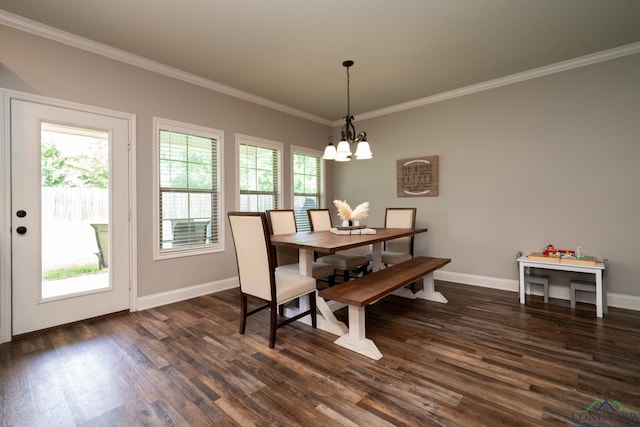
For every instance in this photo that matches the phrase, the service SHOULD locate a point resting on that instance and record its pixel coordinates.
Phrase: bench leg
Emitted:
(428, 291)
(404, 293)
(355, 339)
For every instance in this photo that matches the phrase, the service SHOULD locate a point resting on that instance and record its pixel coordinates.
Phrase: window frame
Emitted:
(295, 149)
(262, 143)
(195, 130)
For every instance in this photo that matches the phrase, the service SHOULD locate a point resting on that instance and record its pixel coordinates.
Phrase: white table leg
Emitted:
(326, 319)
(428, 291)
(599, 293)
(521, 279)
(355, 339)
(305, 259)
(376, 257)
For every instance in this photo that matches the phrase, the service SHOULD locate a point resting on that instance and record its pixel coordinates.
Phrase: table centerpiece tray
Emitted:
(351, 227)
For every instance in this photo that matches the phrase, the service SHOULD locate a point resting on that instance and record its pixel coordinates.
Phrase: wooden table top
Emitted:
(325, 241)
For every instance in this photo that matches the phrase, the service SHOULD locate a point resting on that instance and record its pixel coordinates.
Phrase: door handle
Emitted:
(21, 230)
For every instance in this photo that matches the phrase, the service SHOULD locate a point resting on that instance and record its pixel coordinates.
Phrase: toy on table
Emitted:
(551, 251)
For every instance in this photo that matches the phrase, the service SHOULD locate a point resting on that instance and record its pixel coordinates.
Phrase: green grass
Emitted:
(72, 271)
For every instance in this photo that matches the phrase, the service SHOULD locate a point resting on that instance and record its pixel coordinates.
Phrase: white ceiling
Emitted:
(291, 51)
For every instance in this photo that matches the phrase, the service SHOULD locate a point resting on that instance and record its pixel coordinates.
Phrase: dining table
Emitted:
(326, 242)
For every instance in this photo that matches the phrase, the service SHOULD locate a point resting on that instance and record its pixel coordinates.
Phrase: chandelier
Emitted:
(348, 136)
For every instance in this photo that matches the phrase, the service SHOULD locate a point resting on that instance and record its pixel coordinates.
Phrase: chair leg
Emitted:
(243, 313)
(313, 309)
(365, 269)
(273, 324)
(332, 280)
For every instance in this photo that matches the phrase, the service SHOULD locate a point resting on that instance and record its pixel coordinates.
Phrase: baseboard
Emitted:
(628, 302)
(182, 294)
(475, 280)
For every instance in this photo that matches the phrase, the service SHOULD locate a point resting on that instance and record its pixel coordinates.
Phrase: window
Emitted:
(189, 204)
(259, 171)
(308, 184)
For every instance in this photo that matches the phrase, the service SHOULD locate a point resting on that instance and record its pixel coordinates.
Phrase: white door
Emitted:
(69, 215)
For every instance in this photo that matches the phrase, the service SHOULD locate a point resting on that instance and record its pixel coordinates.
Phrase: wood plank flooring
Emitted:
(481, 360)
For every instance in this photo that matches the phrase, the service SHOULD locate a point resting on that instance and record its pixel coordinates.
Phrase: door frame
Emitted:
(6, 95)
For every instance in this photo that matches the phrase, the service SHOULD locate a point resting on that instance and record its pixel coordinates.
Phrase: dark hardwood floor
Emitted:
(482, 359)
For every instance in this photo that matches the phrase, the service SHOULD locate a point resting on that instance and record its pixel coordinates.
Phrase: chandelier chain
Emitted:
(348, 95)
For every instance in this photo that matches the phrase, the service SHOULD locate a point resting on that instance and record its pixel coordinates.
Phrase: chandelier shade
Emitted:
(349, 136)
(363, 152)
(329, 152)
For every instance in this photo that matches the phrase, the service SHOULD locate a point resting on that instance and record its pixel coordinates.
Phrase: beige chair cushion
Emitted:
(318, 270)
(321, 221)
(291, 285)
(344, 261)
(402, 244)
(392, 258)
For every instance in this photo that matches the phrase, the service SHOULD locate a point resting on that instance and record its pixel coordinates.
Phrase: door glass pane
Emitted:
(75, 210)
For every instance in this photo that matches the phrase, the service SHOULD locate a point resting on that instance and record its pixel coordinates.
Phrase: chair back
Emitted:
(253, 254)
(283, 221)
(319, 219)
(400, 218)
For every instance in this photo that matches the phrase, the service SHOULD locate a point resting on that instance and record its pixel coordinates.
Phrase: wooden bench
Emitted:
(359, 293)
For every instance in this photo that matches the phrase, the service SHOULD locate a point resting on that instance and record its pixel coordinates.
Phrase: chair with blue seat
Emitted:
(259, 277)
(536, 279)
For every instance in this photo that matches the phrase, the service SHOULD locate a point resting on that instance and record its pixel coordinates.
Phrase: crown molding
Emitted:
(29, 26)
(558, 67)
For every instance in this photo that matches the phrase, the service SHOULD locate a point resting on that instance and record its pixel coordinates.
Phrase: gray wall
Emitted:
(33, 64)
(550, 160)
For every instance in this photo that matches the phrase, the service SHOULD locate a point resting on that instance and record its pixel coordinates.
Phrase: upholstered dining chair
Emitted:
(320, 220)
(283, 221)
(259, 277)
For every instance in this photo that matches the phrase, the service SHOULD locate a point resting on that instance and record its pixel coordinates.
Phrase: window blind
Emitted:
(259, 181)
(307, 186)
(189, 201)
